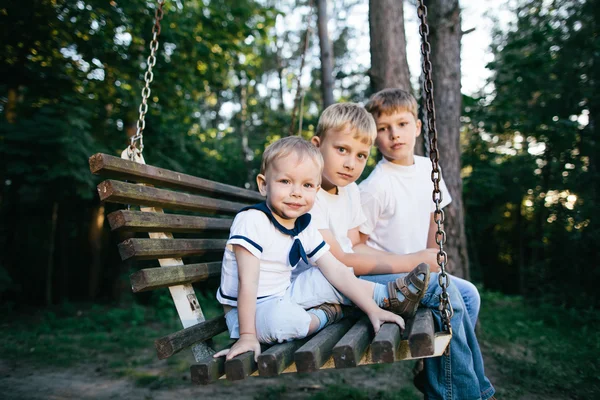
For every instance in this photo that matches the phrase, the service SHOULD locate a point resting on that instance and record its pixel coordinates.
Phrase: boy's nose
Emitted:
(296, 192)
(349, 164)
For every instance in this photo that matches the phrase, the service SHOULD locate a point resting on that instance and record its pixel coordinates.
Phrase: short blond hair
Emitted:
(389, 101)
(288, 145)
(348, 115)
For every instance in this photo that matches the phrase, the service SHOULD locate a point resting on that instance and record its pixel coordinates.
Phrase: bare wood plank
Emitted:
(155, 278)
(279, 357)
(385, 345)
(148, 249)
(208, 370)
(129, 193)
(175, 342)
(137, 221)
(117, 168)
(349, 351)
(241, 366)
(318, 350)
(421, 334)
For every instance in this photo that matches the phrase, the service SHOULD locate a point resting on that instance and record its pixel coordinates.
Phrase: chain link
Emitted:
(445, 306)
(137, 140)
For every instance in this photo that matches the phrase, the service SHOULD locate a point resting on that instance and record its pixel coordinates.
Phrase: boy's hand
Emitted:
(380, 316)
(429, 256)
(246, 342)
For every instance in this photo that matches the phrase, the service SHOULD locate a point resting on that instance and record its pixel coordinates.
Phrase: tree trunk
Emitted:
(50, 265)
(445, 36)
(95, 242)
(389, 67)
(326, 54)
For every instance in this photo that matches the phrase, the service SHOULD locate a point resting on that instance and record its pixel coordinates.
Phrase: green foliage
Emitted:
(531, 157)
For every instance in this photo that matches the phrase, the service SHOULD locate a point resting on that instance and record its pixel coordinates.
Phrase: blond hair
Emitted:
(288, 145)
(348, 115)
(389, 101)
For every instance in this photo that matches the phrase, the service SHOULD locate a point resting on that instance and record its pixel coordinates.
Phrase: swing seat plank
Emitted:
(156, 278)
(209, 208)
(137, 221)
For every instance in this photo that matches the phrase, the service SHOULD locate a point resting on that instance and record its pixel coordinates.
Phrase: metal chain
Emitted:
(438, 215)
(134, 147)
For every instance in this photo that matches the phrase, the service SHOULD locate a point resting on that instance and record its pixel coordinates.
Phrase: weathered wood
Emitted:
(276, 359)
(175, 342)
(349, 351)
(317, 351)
(421, 334)
(155, 278)
(241, 366)
(442, 340)
(137, 221)
(208, 370)
(117, 168)
(148, 249)
(129, 193)
(385, 345)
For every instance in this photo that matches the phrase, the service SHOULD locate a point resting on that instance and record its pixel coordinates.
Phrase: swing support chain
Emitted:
(445, 306)
(136, 146)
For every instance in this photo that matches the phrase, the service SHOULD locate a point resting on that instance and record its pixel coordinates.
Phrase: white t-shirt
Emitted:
(339, 213)
(253, 230)
(397, 202)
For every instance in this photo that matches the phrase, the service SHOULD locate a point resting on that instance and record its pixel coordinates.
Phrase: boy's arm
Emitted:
(343, 280)
(248, 275)
(369, 261)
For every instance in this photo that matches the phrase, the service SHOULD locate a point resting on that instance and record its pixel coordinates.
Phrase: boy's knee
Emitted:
(281, 321)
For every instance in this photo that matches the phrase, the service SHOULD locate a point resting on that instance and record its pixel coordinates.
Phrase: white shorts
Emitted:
(284, 318)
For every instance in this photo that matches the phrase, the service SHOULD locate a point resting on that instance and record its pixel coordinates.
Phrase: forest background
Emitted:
(521, 155)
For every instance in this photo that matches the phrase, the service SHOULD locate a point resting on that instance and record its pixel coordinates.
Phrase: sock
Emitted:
(322, 317)
(380, 293)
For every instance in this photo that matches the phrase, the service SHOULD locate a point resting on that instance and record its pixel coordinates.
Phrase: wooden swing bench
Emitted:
(347, 343)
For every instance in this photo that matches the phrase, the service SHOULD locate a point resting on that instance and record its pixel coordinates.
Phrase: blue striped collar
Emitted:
(301, 223)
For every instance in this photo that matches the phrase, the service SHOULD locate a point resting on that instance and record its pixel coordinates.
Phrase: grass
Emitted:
(544, 349)
(551, 352)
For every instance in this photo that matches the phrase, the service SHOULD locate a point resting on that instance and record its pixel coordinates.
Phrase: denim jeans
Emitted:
(461, 374)
(470, 296)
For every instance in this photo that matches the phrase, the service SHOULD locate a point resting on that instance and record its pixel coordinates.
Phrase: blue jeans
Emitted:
(470, 296)
(459, 375)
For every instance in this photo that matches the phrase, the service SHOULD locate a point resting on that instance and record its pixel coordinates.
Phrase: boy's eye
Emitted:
(284, 181)
(382, 129)
(362, 156)
(309, 185)
(341, 149)
(403, 124)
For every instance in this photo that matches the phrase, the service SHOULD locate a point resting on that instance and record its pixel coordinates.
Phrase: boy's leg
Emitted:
(277, 320)
(461, 374)
(470, 296)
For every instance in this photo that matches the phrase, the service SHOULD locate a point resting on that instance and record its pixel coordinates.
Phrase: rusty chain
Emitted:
(445, 306)
(137, 140)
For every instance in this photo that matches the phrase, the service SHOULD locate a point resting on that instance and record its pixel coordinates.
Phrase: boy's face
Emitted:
(290, 186)
(396, 136)
(345, 158)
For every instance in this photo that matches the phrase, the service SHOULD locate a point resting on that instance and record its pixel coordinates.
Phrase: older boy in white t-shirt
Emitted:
(345, 134)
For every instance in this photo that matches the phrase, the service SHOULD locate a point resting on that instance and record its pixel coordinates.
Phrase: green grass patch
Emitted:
(541, 349)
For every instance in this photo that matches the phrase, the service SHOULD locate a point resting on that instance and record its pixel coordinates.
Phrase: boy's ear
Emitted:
(419, 124)
(261, 182)
(316, 141)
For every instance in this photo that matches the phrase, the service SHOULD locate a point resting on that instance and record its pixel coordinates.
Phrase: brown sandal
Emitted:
(408, 307)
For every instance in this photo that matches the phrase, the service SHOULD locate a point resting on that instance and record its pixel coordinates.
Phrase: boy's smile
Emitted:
(290, 184)
(396, 136)
(345, 158)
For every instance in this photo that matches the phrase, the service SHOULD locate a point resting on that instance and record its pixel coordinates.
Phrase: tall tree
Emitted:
(445, 36)
(389, 67)
(326, 54)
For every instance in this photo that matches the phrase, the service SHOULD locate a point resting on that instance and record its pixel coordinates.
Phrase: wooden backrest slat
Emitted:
(175, 342)
(137, 221)
(155, 278)
(129, 193)
(149, 249)
(118, 168)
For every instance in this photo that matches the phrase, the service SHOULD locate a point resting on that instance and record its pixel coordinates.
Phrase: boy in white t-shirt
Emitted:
(265, 244)
(345, 134)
